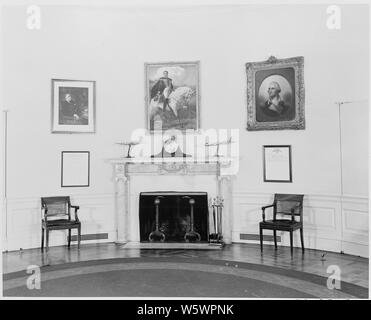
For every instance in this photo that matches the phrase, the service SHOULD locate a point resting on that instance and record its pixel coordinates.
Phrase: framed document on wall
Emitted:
(75, 169)
(277, 163)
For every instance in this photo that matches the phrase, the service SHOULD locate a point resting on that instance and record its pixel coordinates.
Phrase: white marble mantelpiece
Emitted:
(135, 175)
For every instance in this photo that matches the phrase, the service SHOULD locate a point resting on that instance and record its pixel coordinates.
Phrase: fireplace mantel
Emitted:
(125, 169)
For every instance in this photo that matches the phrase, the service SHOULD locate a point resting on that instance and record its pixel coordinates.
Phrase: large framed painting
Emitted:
(172, 96)
(275, 94)
(73, 106)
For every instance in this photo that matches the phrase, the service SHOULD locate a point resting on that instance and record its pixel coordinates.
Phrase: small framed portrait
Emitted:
(275, 94)
(277, 163)
(73, 106)
(172, 96)
(75, 169)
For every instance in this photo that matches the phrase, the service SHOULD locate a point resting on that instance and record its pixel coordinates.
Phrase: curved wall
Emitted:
(110, 45)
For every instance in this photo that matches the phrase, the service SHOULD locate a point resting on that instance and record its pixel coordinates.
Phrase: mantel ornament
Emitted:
(170, 149)
(272, 59)
(217, 144)
(129, 144)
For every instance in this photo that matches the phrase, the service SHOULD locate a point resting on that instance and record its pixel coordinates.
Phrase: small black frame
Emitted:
(64, 169)
(266, 163)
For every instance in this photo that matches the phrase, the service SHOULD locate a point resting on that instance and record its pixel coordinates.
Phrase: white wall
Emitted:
(111, 44)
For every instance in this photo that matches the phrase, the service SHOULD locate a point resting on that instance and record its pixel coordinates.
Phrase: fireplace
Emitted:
(181, 216)
(133, 176)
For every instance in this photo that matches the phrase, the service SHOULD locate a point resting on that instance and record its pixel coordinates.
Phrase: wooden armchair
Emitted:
(56, 215)
(289, 205)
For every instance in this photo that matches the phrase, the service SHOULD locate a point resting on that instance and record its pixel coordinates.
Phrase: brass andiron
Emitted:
(157, 233)
(217, 207)
(191, 235)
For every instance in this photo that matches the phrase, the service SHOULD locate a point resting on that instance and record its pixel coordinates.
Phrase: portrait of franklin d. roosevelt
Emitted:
(275, 96)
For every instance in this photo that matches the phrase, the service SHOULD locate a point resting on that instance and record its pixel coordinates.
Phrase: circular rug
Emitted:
(174, 277)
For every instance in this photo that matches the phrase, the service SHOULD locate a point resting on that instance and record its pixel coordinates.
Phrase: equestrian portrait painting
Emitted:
(172, 96)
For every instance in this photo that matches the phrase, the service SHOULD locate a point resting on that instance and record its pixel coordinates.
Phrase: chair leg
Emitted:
(69, 238)
(78, 237)
(47, 239)
(302, 239)
(291, 242)
(42, 239)
(275, 238)
(261, 239)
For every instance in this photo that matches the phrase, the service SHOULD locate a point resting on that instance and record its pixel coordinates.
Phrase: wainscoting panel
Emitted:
(23, 222)
(330, 223)
(356, 223)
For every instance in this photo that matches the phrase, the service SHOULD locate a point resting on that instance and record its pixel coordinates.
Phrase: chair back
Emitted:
(288, 204)
(56, 206)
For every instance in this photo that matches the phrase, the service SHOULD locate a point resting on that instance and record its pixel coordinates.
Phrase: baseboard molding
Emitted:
(331, 245)
(56, 238)
(170, 245)
(356, 249)
(256, 237)
(91, 236)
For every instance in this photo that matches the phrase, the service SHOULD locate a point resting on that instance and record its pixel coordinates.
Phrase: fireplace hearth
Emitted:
(173, 216)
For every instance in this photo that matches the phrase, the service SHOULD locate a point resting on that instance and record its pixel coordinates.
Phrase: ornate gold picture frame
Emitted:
(275, 94)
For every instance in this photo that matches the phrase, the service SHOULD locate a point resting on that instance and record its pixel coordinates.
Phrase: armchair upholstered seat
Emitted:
(61, 222)
(56, 215)
(286, 205)
(281, 222)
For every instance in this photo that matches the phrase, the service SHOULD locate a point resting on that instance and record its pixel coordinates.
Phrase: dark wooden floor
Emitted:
(353, 269)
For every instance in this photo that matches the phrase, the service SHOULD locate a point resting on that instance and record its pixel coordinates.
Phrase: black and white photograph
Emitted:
(73, 106)
(187, 156)
(172, 96)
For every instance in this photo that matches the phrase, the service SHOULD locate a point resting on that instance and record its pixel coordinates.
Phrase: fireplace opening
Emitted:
(173, 216)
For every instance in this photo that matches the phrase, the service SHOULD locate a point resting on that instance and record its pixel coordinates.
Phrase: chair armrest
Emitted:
(263, 210)
(76, 208)
(44, 213)
(265, 207)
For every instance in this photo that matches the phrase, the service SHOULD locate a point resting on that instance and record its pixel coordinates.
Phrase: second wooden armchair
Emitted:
(289, 205)
(56, 213)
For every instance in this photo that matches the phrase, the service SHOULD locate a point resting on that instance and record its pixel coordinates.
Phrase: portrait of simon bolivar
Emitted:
(172, 95)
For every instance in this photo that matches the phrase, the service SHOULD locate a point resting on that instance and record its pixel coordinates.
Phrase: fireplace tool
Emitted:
(191, 234)
(157, 233)
(217, 205)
